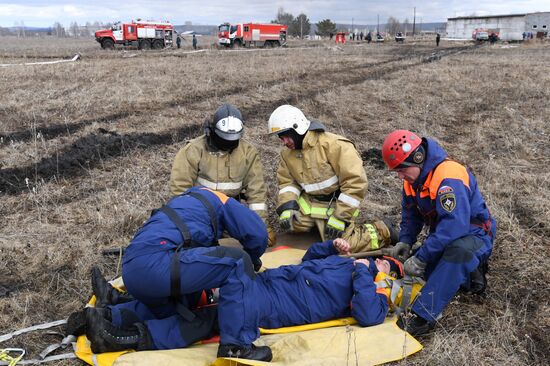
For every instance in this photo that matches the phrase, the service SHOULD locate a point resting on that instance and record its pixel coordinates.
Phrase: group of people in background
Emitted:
(218, 188)
(179, 39)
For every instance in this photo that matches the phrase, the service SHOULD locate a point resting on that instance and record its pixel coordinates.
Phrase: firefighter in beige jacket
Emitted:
(322, 182)
(222, 161)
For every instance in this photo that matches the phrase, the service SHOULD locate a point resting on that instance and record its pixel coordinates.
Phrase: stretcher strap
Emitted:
(407, 291)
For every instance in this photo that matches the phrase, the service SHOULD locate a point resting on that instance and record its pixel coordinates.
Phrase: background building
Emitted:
(510, 27)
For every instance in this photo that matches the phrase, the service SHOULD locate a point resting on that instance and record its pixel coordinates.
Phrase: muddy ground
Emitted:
(86, 151)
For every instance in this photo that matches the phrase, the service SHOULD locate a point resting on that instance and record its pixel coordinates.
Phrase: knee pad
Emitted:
(235, 253)
(462, 250)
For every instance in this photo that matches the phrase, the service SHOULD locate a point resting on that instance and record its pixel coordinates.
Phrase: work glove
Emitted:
(414, 267)
(334, 228)
(271, 237)
(285, 219)
(400, 251)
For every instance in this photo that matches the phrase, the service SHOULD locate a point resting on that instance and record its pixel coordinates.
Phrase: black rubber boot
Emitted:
(415, 325)
(262, 353)
(105, 293)
(106, 337)
(76, 323)
(394, 233)
(478, 281)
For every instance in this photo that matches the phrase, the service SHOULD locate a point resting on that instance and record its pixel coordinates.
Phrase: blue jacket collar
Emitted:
(434, 156)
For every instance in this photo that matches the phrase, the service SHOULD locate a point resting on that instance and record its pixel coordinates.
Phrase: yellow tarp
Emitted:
(335, 342)
(344, 345)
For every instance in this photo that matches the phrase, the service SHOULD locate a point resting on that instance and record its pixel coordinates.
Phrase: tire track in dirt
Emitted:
(86, 153)
(89, 151)
(54, 130)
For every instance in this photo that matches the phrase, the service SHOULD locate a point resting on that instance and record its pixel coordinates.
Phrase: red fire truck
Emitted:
(252, 34)
(142, 34)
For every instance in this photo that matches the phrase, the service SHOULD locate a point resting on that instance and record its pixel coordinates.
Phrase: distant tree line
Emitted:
(57, 30)
(299, 26)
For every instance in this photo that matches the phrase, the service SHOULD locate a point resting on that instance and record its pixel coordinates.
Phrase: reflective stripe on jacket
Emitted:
(327, 163)
(230, 173)
(447, 199)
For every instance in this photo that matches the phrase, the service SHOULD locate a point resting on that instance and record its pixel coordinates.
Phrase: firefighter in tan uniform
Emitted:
(222, 161)
(322, 183)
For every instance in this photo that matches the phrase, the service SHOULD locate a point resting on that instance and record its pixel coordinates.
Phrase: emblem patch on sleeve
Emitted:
(448, 201)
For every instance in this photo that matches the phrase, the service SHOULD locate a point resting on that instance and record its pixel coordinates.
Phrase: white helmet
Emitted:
(287, 117)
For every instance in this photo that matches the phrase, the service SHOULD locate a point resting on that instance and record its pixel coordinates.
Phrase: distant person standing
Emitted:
(194, 41)
(437, 39)
(361, 36)
(178, 41)
(369, 37)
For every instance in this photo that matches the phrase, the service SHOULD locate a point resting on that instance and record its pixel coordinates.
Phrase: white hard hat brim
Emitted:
(229, 136)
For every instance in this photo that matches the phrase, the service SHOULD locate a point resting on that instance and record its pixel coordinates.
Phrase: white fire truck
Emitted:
(142, 34)
(252, 34)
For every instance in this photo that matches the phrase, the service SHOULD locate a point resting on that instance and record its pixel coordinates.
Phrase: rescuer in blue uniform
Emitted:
(171, 259)
(442, 194)
(325, 286)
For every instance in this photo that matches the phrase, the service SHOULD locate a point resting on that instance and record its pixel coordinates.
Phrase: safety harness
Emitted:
(175, 279)
(396, 285)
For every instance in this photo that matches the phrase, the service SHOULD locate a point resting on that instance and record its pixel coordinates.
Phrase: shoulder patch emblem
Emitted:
(444, 189)
(448, 201)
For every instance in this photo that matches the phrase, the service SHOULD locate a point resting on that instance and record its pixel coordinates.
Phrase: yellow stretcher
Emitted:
(335, 342)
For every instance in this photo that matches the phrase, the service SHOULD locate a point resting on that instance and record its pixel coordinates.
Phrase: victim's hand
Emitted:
(342, 246)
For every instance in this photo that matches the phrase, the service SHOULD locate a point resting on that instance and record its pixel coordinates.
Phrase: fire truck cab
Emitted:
(252, 34)
(142, 34)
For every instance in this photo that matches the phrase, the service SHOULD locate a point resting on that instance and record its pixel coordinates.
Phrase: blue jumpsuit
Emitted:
(447, 199)
(319, 289)
(146, 262)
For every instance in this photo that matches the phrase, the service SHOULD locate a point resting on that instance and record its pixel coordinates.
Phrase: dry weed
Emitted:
(86, 152)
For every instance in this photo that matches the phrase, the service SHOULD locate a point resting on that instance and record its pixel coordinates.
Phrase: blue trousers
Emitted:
(444, 277)
(147, 278)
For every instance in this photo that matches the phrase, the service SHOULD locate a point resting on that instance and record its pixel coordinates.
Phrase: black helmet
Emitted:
(226, 127)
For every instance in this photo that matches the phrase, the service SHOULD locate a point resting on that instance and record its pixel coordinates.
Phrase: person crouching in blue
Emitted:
(444, 195)
(324, 286)
(172, 258)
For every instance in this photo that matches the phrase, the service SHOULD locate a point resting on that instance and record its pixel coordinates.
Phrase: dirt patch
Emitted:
(373, 157)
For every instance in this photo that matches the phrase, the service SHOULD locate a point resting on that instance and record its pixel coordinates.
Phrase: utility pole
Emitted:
(377, 23)
(414, 20)
(420, 28)
(351, 25)
(301, 28)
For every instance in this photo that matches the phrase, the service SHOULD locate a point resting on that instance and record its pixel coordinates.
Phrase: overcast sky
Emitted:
(43, 13)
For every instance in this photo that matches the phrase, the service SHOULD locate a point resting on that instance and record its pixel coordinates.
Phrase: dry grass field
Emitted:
(86, 151)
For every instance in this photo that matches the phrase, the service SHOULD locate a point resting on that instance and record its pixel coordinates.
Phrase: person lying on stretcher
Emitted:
(324, 286)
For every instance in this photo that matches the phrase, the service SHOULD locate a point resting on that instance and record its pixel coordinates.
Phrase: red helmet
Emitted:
(397, 147)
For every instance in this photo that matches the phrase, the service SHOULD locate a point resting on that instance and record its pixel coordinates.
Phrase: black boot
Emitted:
(76, 323)
(415, 325)
(106, 337)
(478, 281)
(262, 353)
(104, 292)
(394, 233)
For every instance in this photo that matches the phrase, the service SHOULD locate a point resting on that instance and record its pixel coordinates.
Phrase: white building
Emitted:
(509, 27)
